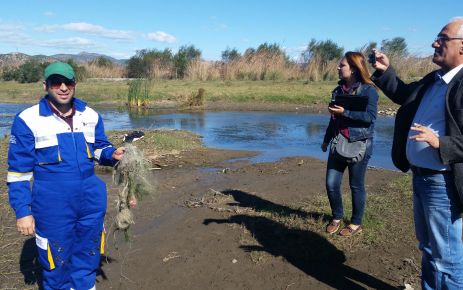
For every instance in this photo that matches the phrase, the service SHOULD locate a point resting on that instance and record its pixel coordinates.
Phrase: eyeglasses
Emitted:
(56, 82)
(444, 38)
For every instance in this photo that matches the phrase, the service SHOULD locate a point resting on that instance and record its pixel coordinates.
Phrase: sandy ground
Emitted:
(215, 224)
(218, 225)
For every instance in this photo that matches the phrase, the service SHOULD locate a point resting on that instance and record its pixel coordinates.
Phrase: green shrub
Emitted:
(10, 74)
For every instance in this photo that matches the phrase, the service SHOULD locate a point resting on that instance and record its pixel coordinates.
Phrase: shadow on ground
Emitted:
(29, 264)
(306, 250)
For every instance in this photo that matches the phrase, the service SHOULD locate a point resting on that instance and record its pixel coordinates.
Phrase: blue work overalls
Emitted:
(67, 200)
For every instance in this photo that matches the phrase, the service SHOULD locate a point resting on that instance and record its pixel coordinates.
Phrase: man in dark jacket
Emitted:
(428, 140)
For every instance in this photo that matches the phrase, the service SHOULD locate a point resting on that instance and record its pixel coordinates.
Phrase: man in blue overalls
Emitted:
(56, 143)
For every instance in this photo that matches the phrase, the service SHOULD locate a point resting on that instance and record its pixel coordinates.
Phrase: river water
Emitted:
(273, 134)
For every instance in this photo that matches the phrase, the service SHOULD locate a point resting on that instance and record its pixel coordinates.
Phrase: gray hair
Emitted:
(460, 20)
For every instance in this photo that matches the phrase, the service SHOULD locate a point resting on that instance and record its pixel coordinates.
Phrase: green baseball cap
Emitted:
(59, 68)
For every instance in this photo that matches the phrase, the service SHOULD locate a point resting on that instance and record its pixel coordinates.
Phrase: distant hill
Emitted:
(16, 59)
(86, 57)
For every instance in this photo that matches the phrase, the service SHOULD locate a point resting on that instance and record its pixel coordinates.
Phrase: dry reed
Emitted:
(160, 70)
(203, 71)
(263, 66)
(412, 67)
(95, 71)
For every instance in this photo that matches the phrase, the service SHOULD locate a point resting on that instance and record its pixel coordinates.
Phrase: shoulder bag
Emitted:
(350, 152)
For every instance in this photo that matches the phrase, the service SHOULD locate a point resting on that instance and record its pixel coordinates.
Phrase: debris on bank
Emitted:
(387, 112)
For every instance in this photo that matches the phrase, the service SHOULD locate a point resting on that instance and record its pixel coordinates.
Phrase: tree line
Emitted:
(268, 61)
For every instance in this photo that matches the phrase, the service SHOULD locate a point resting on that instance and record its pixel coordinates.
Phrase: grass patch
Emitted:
(174, 140)
(179, 91)
(381, 222)
(161, 141)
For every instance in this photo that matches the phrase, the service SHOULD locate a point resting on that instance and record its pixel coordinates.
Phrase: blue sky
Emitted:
(120, 28)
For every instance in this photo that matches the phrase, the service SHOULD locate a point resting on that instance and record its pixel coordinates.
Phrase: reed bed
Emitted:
(260, 67)
(413, 67)
(114, 71)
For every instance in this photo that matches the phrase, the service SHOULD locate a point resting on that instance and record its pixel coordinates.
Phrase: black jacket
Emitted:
(409, 96)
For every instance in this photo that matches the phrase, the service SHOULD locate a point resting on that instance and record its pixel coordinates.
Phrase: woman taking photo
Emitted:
(350, 125)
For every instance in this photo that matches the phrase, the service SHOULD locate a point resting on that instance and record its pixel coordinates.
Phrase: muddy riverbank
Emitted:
(212, 224)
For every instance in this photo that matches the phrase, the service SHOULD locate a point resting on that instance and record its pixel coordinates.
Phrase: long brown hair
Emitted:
(357, 61)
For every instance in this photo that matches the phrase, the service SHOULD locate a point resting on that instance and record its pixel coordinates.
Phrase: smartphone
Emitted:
(372, 57)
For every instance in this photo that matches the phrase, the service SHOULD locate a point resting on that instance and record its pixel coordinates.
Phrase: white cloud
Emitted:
(15, 38)
(100, 31)
(47, 28)
(69, 43)
(81, 36)
(161, 37)
(49, 13)
(13, 33)
(91, 29)
(10, 27)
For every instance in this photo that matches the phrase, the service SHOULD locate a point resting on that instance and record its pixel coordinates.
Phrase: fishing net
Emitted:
(131, 176)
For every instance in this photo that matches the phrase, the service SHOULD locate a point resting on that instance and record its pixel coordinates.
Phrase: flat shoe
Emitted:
(348, 231)
(333, 227)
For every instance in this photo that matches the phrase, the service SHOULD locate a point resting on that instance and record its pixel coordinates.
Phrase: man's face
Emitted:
(60, 89)
(448, 47)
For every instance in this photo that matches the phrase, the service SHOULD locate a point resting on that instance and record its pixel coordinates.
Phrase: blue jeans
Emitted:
(334, 172)
(438, 226)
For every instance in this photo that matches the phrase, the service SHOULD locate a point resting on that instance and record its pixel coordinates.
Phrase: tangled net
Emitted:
(131, 176)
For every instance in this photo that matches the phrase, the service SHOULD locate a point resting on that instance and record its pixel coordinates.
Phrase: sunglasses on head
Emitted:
(55, 82)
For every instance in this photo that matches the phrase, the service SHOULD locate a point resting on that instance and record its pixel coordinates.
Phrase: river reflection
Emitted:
(274, 134)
